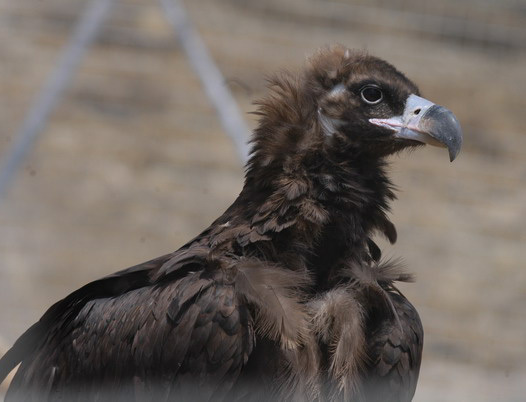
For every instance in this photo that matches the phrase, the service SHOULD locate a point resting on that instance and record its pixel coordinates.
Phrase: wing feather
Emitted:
(134, 333)
(395, 352)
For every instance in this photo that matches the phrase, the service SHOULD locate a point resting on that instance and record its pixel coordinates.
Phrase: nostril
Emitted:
(417, 111)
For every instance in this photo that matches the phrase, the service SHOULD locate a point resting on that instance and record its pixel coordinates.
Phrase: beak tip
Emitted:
(445, 128)
(456, 144)
(453, 153)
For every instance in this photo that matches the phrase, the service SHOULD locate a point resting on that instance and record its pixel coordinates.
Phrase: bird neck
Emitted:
(320, 212)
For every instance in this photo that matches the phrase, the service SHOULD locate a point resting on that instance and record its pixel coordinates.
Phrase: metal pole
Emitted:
(45, 101)
(211, 78)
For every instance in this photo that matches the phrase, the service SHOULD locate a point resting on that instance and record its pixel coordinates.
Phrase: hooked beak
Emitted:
(426, 122)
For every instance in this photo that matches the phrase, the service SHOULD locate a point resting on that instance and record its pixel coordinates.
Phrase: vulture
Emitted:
(284, 297)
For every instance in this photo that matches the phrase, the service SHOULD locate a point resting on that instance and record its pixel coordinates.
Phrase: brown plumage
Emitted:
(284, 297)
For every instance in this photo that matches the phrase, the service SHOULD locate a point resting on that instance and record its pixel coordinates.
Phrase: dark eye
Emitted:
(371, 94)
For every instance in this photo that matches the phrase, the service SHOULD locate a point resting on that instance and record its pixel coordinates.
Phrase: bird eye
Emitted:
(371, 94)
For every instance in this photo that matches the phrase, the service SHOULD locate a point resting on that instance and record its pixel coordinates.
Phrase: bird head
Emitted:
(365, 103)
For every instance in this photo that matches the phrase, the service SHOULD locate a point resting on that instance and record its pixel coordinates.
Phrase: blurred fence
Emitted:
(37, 116)
(497, 25)
(82, 37)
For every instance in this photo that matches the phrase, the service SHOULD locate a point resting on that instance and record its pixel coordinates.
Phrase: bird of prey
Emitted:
(285, 297)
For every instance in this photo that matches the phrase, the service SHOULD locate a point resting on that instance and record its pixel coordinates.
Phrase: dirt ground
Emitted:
(134, 162)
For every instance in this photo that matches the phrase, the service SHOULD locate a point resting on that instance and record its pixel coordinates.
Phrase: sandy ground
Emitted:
(134, 162)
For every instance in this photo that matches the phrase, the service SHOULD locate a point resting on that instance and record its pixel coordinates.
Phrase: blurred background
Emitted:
(133, 161)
